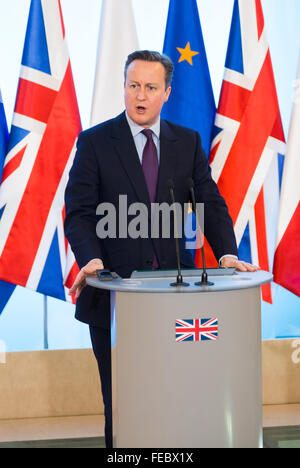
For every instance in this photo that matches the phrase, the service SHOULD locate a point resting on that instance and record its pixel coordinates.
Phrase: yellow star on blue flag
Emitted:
(186, 54)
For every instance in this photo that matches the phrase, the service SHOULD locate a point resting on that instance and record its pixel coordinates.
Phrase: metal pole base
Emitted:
(204, 281)
(179, 282)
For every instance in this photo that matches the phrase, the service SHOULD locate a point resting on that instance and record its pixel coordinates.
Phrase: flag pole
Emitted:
(45, 323)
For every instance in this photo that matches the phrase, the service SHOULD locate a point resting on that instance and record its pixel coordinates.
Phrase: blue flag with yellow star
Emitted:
(191, 102)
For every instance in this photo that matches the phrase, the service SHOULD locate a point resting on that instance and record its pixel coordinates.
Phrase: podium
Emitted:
(186, 361)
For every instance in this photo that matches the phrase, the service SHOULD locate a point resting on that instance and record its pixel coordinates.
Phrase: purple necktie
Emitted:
(150, 164)
(150, 168)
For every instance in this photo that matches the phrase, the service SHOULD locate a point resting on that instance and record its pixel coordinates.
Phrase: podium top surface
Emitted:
(158, 284)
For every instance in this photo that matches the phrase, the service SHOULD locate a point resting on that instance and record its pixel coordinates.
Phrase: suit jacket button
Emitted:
(149, 262)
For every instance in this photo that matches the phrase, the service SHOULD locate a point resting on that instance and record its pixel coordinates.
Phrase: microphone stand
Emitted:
(204, 277)
(179, 279)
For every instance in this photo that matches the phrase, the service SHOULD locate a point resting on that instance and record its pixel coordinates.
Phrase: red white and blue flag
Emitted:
(248, 138)
(33, 249)
(6, 289)
(287, 256)
(196, 329)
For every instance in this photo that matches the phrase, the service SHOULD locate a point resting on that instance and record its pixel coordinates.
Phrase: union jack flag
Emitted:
(248, 138)
(196, 329)
(6, 289)
(33, 249)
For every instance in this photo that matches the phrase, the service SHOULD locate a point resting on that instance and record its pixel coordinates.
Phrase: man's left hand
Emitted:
(228, 262)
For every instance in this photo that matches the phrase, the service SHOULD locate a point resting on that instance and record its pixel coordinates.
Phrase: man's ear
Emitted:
(167, 93)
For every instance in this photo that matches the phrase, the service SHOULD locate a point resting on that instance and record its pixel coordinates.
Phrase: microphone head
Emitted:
(190, 183)
(170, 184)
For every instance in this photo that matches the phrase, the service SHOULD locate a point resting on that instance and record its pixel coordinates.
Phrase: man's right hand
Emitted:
(89, 270)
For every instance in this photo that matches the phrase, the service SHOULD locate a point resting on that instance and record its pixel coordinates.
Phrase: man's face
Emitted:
(145, 91)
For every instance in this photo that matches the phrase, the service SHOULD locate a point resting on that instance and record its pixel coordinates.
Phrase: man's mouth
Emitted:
(140, 109)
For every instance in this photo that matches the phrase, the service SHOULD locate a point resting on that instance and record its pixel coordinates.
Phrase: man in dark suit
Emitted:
(108, 163)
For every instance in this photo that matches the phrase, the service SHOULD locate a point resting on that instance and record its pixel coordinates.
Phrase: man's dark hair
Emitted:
(152, 56)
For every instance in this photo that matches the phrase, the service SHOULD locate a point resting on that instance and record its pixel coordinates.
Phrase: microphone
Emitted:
(204, 278)
(179, 280)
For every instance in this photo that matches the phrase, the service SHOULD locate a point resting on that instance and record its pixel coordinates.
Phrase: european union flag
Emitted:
(6, 289)
(191, 102)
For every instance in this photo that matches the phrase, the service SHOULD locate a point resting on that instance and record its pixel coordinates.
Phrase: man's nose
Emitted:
(141, 94)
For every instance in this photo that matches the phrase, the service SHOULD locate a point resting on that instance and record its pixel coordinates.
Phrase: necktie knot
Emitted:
(147, 132)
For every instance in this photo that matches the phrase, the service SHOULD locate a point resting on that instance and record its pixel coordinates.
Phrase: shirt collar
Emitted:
(136, 129)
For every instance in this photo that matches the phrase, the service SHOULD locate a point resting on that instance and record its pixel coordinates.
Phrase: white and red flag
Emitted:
(33, 249)
(287, 256)
(117, 39)
(248, 138)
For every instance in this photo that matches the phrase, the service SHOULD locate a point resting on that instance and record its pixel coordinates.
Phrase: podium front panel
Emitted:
(175, 390)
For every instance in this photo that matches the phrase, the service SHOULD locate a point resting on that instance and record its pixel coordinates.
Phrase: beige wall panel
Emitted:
(281, 371)
(49, 383)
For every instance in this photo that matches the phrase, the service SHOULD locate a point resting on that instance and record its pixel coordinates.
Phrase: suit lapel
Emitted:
(129, 158)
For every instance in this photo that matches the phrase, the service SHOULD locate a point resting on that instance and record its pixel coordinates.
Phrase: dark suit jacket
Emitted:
(107, 165)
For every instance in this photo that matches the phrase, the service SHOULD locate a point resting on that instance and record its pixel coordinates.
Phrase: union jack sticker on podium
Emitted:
(196, 329)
